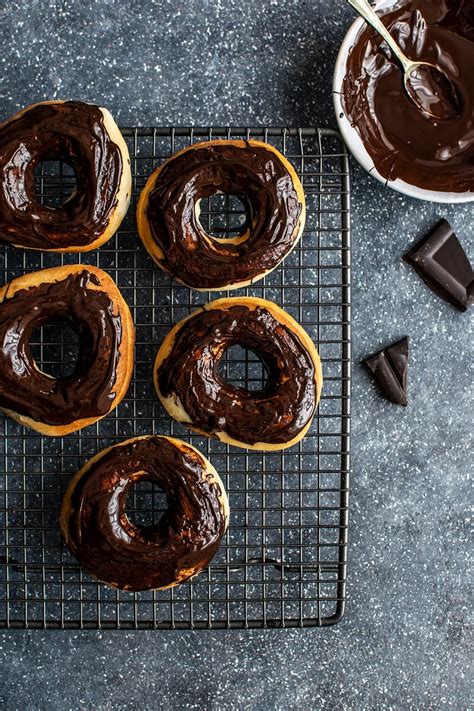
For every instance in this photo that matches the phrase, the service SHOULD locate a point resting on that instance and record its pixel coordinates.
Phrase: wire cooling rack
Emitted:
(283, 561)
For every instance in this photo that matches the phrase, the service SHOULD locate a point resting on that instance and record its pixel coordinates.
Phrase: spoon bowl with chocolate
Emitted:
(427, 85)
(417, 136)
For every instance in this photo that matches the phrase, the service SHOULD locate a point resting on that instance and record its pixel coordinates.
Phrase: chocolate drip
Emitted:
(258, 178)
(443, 265)
(133, 557)
(89, 391)
(402, 140)
(277, 413)
(390, 368)
(72, 132)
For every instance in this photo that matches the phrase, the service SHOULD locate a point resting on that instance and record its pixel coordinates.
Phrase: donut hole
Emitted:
(55, 349)
(55, 182)
(243, 368)
(146, 504)
(223, 216)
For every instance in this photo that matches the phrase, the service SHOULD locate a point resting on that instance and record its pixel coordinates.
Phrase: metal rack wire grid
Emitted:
(283, 561)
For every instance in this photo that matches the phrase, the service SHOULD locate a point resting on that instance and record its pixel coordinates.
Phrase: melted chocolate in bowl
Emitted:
(89, 390)
(127, 555)
(402, 140)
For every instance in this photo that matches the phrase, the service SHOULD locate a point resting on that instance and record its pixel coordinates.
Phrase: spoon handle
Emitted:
(364, 9)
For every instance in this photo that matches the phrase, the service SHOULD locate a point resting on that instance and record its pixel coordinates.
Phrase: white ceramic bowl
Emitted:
(352, 139)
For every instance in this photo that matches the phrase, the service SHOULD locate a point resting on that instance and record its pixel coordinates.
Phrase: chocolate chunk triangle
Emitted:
(390, 368)
(443, 265)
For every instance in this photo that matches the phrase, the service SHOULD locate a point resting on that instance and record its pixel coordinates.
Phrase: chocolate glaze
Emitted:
(444, 266)
(89, 391)
(274, 415)
(72, 132)
(390, 369)
(257, 176)
(133, 557)
(403, 141)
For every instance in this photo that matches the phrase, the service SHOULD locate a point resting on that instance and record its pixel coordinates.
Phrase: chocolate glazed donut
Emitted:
(124, 554)
(168, 213)
(193, 392)
(88, 300)
(86, 138)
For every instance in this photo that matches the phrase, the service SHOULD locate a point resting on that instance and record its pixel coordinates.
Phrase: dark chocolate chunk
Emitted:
(389, 367)
(443, 265)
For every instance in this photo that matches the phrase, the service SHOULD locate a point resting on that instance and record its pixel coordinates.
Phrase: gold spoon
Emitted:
(427, 86)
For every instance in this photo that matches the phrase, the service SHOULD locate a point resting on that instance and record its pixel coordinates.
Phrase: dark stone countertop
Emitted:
(404, 641)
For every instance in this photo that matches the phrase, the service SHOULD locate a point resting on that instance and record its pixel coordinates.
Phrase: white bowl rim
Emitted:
(352, 138)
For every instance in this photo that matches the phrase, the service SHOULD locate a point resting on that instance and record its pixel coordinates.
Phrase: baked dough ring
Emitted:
(88, 299)
(193, 393)
(129, 556)
(87, 138)
(168, 213)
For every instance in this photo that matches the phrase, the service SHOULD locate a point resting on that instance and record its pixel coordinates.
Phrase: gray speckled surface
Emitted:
(405, 641)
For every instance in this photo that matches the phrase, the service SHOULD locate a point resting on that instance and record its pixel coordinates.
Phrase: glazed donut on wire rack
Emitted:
(87, 139)
(169, 208)
(192, 390)
(129, 556)
(88, 300)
